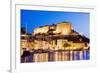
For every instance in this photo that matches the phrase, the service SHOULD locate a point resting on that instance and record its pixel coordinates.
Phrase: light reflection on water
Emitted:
(58, 56)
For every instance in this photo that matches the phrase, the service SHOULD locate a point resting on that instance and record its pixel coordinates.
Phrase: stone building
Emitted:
(57, 42)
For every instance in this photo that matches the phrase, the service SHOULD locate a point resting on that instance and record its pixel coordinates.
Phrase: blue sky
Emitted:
(36, 18)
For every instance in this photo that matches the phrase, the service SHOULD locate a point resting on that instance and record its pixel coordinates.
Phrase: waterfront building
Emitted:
(60, 41)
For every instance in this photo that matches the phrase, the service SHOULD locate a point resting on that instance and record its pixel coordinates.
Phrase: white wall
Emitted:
(5, 35)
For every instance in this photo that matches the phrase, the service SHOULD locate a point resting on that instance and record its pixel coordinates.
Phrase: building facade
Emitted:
(59, 41)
